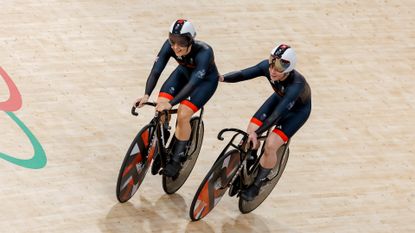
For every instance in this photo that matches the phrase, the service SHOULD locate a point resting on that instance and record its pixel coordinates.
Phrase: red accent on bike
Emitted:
(127, 191)
(281, 134)
(144, 136)
(204, 201)
(256, 121)
(137, 159)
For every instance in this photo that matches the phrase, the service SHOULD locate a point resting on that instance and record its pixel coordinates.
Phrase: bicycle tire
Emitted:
(134, 168)
(248, 206)
(171, 185)
(214, 185)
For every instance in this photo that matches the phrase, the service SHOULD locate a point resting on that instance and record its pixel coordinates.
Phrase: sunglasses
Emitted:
(278, 64)
(181, 41)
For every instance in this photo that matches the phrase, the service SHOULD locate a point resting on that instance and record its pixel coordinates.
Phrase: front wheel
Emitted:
(273, 178)
(136, 163)
(215, 184)
(171, 185)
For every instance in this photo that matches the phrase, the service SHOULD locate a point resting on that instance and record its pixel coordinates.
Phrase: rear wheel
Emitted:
(136, 163)
(172, 184)
(215, 184)
(273, 178)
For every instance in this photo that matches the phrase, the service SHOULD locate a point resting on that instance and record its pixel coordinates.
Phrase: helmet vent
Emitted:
(177, 28)
(281, 50)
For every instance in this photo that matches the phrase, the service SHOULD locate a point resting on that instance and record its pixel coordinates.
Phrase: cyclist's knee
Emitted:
(273, 143)
(184, 113)
(270, 149)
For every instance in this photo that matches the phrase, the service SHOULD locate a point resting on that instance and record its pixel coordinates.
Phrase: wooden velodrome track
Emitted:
(79, 65)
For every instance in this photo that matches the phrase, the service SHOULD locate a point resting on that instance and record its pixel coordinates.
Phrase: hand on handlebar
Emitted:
(163, 106)
(140, 101)
(253, 137)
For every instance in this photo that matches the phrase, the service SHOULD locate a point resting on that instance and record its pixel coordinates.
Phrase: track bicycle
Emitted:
(235, 170)
(150, 146)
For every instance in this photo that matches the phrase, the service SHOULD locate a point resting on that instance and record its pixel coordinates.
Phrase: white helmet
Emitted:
(183, 28)
(286, 57)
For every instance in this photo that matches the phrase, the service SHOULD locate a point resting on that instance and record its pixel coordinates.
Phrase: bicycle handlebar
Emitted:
(133, 109)
(238, 131)
(135, 113)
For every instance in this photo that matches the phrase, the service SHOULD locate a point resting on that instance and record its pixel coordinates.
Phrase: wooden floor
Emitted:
(79, 65)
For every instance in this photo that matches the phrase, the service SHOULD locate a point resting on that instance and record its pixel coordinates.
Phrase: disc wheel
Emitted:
(273, 178)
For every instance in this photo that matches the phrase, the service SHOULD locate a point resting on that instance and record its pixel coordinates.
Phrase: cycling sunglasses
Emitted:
(179, 40)
(278, 64)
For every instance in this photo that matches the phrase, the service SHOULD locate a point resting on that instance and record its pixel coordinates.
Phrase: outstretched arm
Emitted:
(158, 67)
(246, 74)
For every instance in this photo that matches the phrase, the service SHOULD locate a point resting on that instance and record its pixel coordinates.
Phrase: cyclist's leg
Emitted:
(286, 128)
(257, 120)
(197, 99)
(172, 86)
(267, 162)
(274, 140)
(261, 114)
(182, 135)
(280, 135)
(183, 128)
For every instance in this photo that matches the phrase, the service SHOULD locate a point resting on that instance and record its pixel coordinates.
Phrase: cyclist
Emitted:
(191, 84)
(288, 108)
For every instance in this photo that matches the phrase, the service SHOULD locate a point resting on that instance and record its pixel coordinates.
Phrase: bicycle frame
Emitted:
(233, 169)
(159, 133)
(244, 149)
